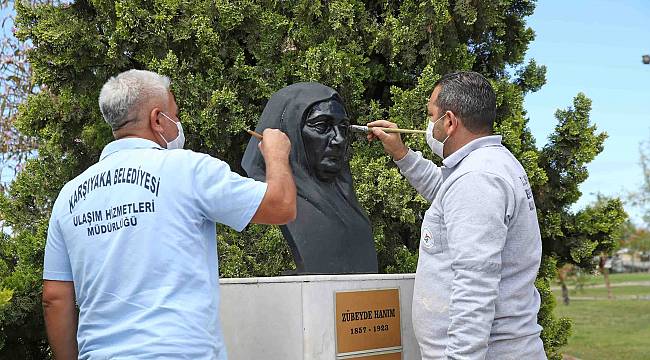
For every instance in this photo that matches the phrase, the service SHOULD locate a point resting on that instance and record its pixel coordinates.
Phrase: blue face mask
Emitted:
(179, 142)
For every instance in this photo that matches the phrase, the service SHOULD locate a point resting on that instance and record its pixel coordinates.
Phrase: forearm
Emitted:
(421, 173)
(61, 324)
(281, 185)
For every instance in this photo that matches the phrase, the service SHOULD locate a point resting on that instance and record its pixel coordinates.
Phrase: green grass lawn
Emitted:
(608, 329)
(617, 278)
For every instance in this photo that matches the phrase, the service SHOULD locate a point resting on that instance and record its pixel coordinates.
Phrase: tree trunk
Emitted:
(561, 274)
(605, 272)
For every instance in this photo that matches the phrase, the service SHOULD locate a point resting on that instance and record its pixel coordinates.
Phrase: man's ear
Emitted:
(452, 123)
(154, 120)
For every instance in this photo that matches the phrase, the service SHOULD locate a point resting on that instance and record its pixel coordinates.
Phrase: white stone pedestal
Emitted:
(293, 317)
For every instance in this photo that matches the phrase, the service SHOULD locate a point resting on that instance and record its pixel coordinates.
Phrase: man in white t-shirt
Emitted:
(133, 238)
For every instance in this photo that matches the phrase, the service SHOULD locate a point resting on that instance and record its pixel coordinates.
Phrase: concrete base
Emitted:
(293, 317)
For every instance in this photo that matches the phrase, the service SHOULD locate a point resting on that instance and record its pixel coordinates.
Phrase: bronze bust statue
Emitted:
(331, 234)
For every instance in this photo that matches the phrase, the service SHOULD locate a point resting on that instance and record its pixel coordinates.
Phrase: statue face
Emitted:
(324, 134)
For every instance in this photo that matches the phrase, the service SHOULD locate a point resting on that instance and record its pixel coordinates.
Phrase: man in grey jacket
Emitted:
(480, 245)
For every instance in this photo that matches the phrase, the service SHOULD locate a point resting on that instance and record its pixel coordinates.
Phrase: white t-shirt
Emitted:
(136, 234)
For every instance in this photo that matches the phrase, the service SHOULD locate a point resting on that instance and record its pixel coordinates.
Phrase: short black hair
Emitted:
(469, 96)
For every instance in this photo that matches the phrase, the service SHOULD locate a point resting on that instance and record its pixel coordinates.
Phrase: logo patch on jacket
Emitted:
(427, 238)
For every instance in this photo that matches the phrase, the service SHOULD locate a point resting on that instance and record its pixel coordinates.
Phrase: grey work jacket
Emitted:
(480, 250)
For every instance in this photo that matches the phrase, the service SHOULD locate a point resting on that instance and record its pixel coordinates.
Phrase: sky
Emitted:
(595, 47)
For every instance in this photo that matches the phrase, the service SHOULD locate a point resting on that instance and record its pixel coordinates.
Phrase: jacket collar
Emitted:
(455, 158)
(128, 143)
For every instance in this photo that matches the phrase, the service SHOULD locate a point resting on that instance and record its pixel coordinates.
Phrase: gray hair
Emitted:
(121, 95)
(470, 97)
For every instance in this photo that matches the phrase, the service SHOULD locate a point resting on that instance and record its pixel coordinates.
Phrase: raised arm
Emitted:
(279, 203)
(421, 173)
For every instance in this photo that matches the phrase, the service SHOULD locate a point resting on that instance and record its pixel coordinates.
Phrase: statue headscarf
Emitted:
(331, 233)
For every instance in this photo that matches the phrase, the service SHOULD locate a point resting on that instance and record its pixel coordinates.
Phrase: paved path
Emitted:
(614, 285)
(614, 297)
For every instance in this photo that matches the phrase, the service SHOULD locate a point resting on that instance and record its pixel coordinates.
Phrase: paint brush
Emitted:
(366, 129)
(359, 129)
(254, 134)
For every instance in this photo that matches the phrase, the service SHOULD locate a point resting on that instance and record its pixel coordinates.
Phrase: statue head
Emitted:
(315, 120)
(324, 133)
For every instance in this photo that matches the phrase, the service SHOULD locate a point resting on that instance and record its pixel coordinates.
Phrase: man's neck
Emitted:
(463, 140)
(135, 134)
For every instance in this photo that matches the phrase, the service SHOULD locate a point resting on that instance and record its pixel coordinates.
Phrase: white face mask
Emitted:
(436, 145)
(179, 142)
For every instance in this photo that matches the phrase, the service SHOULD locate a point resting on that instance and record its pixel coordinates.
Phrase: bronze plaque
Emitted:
(368, 320)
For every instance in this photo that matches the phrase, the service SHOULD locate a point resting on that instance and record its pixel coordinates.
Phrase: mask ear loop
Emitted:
(442, 117)
(161, 135)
